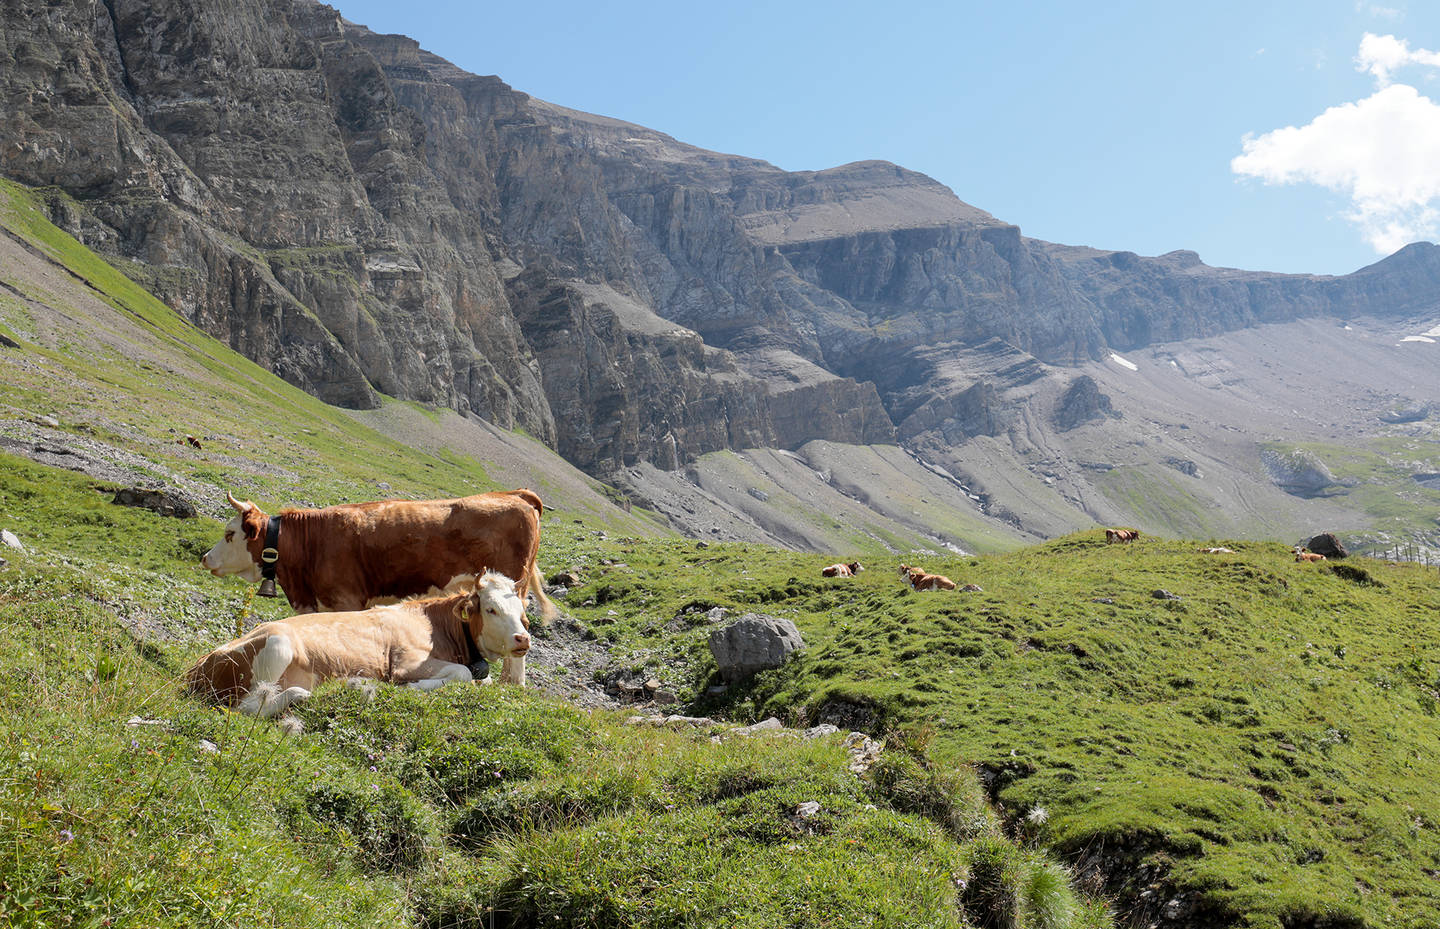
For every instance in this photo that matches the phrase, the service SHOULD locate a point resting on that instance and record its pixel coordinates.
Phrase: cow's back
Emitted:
(358, 553)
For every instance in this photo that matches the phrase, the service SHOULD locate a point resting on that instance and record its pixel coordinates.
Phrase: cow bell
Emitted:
(267, 587)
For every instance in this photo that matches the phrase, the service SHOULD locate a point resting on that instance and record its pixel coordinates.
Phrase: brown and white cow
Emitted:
(357, 555)
(1302, 555)
(842, 570)
(424, 643)
(1121, 535)
(919, 579)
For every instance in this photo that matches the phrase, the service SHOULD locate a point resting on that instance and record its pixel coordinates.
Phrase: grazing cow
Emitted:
(842, 570)
(192, 441)
(1121, 535)
(1302, 555)
(920, 580)
(423, 643)
(359, 555)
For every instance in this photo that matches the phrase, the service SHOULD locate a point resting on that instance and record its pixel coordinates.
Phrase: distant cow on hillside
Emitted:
(1121, 535)
(842, 570)
(1302, 555)
(919, 579)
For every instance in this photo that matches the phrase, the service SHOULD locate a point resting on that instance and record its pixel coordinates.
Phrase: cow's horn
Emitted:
(240, 507)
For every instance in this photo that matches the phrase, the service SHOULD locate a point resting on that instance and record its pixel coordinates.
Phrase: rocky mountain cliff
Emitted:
(366, 218)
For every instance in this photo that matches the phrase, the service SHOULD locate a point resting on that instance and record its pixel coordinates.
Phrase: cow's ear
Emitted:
(253, 528)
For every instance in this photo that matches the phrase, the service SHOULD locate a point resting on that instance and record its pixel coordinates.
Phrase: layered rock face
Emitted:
(365, 218)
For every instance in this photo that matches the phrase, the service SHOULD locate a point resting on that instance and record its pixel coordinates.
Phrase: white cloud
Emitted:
(1382, 152)
(1382, 54)
(1378, 11)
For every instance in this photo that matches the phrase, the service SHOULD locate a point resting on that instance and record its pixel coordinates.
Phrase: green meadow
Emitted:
(1104, 735)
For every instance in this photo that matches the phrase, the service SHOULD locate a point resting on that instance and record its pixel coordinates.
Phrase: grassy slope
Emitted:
(470, 807)
(1268, 740)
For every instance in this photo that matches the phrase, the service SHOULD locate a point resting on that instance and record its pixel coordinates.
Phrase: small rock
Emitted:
(702, 544)
(1163, 594)
(565, 579)
(208, 747)
(136, 721)
(652, 685)
(50, 421)
(665, 698)
(765, 725)
(820, 731)
(12, 540)
(715, 690)
(807, 809)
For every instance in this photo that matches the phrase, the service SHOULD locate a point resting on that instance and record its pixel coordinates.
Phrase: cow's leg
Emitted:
(268, 701)
(265, 698)
(513, 671)
(436, 674)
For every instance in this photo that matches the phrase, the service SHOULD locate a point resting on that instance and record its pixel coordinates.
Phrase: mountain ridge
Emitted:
(365, 218)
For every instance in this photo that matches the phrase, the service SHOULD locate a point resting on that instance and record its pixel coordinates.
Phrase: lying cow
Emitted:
(1121, 535)
(423, 643)
(359, 555)
(842, 570)
(1302, 555)
(920, 580)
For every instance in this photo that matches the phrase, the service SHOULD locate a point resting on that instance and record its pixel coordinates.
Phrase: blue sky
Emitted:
(1120, 126)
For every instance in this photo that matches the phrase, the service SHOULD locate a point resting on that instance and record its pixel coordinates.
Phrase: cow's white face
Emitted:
(501, 618)
(231, 555)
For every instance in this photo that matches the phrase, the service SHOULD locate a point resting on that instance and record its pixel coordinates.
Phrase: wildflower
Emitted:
(1038, 816)
(66, 835)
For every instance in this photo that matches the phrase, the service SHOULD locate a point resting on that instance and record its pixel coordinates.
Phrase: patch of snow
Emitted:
(1433, 332)
(1418, 338)
(1123, 362)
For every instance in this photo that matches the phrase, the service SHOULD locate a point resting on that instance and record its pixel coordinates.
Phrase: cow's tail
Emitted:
(537, 586)
(532, 498)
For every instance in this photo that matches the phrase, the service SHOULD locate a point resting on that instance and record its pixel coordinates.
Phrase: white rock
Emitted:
(11, 539)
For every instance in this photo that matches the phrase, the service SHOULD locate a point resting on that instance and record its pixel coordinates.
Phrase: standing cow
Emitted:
(357, 555)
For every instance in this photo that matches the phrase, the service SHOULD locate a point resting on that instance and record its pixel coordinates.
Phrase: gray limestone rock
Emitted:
(752, 643)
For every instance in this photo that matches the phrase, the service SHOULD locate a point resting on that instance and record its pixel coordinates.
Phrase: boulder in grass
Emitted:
(1328, 545)
(752, 643)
